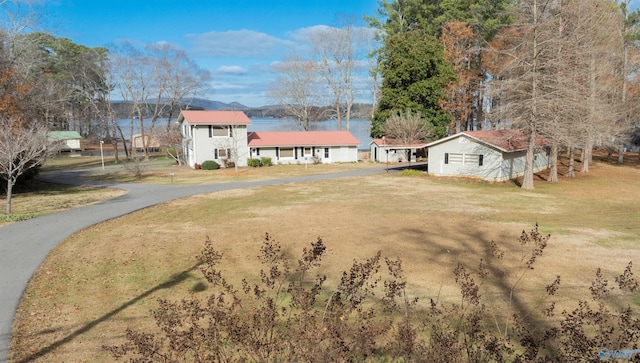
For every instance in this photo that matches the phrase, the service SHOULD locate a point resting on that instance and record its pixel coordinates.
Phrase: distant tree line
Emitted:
(358, 111)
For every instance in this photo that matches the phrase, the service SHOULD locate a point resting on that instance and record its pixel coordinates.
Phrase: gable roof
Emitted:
(302, 138)
(503, 140)
(201, 117)
(396, 144)
(64, 135)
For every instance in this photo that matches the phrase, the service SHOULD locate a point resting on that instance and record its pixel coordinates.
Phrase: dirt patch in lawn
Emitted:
(107, 278)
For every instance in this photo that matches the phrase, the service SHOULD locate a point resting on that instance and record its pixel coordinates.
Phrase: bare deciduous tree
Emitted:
(556, 75)
(407, 128)
(459, 43)
(518, 52)
(155, 80)
(171, 141)
(296, 90)
(336, 52)
(22, 147)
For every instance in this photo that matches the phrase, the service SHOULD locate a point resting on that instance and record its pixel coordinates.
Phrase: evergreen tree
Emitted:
(413, 26)
(414, 76)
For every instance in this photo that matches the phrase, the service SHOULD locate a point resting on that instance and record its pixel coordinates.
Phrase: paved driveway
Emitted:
(24, 245)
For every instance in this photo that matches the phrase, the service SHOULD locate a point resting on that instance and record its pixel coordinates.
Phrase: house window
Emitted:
(218, 131)
(257, 151)
(480, 159)
(221, 153)
(456, 158)
(286, 152)
(446, 158)
(326, 153)
(307, 151)
(473, 159)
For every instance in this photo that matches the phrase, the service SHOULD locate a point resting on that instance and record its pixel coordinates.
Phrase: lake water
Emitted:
(360, 128)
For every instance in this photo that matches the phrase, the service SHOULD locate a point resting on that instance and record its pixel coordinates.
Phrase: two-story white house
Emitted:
(220, 136)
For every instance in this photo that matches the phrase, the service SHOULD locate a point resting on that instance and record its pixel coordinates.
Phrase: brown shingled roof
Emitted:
(392, 143)
(507, 140)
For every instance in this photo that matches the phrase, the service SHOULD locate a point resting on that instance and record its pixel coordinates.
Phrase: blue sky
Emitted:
(236, 41)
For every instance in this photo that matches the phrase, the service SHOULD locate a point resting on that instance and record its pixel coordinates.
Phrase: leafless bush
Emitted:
(290, 315)
(136, 165)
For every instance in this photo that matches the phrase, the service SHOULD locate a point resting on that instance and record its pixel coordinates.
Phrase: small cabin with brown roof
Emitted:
(299, 147)
(494, 155)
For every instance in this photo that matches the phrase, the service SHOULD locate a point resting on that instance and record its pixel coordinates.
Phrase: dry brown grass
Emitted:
(44, 198)
(186, 175)
(108, 277)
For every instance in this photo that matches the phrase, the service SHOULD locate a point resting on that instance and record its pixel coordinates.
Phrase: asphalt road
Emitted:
(24, 245)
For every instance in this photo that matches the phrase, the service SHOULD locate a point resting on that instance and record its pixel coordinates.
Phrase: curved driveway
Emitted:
(24, 245)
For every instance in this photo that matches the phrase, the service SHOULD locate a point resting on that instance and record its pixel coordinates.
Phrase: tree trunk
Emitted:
(571, 173)
(479, 110)
(143, 139)
(338, 114)
(586, 154)
(621, 153)
(527, 182)
(9, 194)
(553, 170)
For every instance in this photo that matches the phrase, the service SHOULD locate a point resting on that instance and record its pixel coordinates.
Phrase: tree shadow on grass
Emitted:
(169, 283)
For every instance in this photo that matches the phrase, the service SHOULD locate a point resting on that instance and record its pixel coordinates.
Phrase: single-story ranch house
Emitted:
(292, 147)
(494, 155)
(217, 135)
(392, 151)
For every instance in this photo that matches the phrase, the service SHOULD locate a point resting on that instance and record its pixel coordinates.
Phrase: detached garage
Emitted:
(494, 155)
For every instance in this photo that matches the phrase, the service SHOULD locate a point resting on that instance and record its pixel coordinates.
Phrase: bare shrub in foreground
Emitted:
(290, 315)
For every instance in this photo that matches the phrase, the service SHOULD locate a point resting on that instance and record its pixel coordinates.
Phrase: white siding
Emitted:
(460, 156)
(73, 144)
(201, 147)
(301, 155)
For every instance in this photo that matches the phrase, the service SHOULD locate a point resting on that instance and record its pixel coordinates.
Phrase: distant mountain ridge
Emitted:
(216, 105)
(273, 111)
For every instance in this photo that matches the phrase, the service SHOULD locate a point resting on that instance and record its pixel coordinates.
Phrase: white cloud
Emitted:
(303, 34)
(236, 43)
(237, 70)
(221, 85)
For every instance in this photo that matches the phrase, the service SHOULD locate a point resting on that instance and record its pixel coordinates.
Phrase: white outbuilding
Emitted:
(494, 155)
